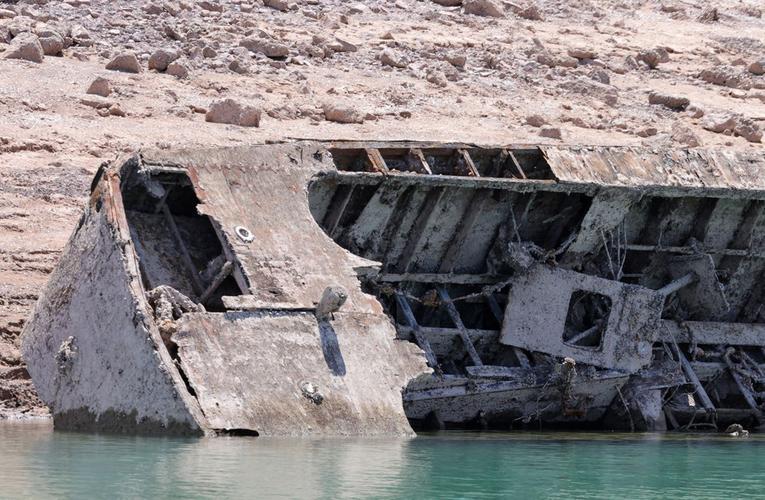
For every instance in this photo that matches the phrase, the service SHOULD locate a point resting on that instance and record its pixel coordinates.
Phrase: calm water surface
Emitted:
(36, 462)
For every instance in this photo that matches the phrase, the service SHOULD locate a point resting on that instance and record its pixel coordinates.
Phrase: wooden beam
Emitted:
(678, 284)
(457, 320)
(745, 391)
(185, 255)
(472, 171)
(223, 273)
(691, 251)
(336, 211)
(420, 160)
(377, 161)
(515, 163)
(688, 370)
(403, 306)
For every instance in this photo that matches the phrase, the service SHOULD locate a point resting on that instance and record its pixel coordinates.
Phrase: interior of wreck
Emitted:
(535, 302)
(455, 228)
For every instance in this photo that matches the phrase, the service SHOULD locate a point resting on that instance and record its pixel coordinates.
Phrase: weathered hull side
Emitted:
(89, 348)
(248, 369)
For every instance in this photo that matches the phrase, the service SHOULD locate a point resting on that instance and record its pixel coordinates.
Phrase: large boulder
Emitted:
(161, 59)
(126, 62)
(232, 112)
(486, 8)
(26, 46)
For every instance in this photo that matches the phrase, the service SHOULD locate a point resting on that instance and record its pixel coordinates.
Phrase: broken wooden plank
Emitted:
(222, 274)
(377, 161)
(446, 300)
(677, 284)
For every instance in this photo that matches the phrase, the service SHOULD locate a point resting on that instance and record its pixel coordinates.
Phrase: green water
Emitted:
(36, 462)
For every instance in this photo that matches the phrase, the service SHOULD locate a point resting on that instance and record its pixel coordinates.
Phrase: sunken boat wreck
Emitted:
(375, 288)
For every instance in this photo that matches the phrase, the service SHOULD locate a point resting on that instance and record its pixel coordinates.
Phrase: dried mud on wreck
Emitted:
(370, 288)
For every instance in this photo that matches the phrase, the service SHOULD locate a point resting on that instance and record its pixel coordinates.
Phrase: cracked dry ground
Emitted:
(573, 73)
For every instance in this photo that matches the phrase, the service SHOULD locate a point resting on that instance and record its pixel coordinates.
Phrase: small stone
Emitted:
(709, 15)
(531, 12)
(126, 62)
(177, 69)
(651, 58)
(342, 114)
(26, 46)
(485, 8)
(550, 132)
(115, 110)
(448, 3)
(647, 132)
(249, 117)
(81, 36)
(437, 78)
(100, 86)
(456, 60)
(536, 120)
(683, 134)
(7, 14)
(231, 112)
(96, 102)
(210, 6)
(238, 67)
(747, 129)
(52, 43)
(556, 60)
(676, 103)
(694, 111)
(266, 47)
(600, 75)
(280, 5)
(172, 33)
(161, 59)
(757, 67)
(342, 45)
(719, 123)
(581, 53)
(208, 52)
(389, 58)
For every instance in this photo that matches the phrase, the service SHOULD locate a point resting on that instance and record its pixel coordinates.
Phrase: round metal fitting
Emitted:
(244, 234)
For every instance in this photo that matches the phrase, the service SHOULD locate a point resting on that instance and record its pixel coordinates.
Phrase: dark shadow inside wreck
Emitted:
(177, 247)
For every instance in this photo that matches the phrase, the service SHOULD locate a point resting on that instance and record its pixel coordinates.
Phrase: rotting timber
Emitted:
(368, 288)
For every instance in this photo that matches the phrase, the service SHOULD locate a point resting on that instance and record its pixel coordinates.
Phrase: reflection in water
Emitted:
(36, 462)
